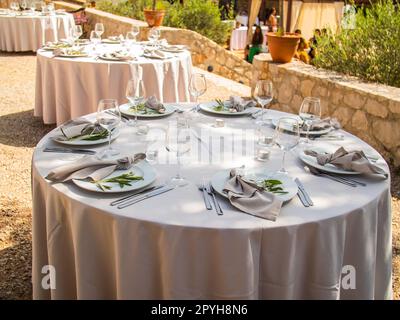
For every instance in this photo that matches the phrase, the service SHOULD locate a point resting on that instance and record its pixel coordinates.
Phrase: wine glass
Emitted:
(99, 28)
(77, 32)
(135, 31)
(130, 38)
(32, 6)
(287, 135)
(108, 116)
(95, 39)
(264, 95)
(135, 93)
(24, 5)
(310, 111)
(154, 34)
(178, 142)
(197, 87)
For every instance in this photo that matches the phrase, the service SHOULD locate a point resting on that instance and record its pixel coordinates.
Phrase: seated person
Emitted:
(302, 51)
(297, 32)
(256, 44)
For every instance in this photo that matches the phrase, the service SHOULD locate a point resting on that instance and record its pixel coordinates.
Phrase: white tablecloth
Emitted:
(170, 247)
(67, 88)
(239, 38)
(29, 33)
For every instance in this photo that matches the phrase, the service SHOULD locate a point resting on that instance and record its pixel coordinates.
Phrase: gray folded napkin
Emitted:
(347, 160)
(120, 55)
(76, 128)
(156, 54)
(240, 104)
(93, 168)
(252, 199)
(154, 104)
(325, 124)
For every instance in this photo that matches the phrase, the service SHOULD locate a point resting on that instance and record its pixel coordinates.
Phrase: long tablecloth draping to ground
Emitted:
(31, 32)
(171, 247)
(239, 38)
(67, 88)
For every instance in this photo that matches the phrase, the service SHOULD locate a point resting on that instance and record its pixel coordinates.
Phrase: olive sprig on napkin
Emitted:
(273, 186)
(123, 180)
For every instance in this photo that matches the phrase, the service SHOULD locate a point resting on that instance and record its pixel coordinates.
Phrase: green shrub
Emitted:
(371, 51)
(202, 16)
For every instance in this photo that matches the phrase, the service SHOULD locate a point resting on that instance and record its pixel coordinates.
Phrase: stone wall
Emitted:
(205, 52)
(368, 110)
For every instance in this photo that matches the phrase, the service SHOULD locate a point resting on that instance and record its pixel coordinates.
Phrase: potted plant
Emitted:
(155, 14)
(282, 45)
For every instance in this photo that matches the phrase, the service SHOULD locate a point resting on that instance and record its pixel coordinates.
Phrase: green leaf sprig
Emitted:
(123, 180)
(273, 186)
(220, 106)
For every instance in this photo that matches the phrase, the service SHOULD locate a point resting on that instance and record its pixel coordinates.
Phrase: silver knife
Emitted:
(135, 194)
(201, 141)
(147, 196)
(65, 150)
(303, 200)
(301, 187)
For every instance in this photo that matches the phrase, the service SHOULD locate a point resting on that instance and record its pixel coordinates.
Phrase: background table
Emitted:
(239, 38)
(170, 247)
(67, 88)
(30, 32)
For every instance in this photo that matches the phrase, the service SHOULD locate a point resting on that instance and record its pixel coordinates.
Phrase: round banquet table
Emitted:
(30, 32)
(67, 88)
(239, 38)
(171, 247)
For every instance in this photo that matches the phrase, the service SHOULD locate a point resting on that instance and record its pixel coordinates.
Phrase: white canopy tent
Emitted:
(305, 15)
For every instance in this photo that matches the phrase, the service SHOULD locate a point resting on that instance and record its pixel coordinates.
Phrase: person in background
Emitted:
(256, 44)
(302, 51)
(313, 43)
(271, 20)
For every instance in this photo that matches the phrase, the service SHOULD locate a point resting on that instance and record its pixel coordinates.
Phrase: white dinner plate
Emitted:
(219, 180)
(110, 41)
(78, 142)
(303, 132)
(312, 161)
(109, 57)
(73, 55)
(209, 107)
(126, 110)
(143, 169)
(174, 49)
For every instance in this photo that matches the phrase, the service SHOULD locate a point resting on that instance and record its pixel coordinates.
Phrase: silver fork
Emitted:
(217, 207)
(206, 199)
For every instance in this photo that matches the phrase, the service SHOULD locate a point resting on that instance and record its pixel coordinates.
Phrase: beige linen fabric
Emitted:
(30, 33)
(171, 247)
(69, 88)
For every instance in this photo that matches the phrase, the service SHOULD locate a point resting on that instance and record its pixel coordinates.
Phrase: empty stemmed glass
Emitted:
(135, 93)
(130, 38)
(178, 142)
(32, 6)
(264, 96)
(287, 135)
(154, 35)
(95, 39)
(310, 111)
(197, 87)
(108, 117)
(77, 32)
(99, 28)
(135, 31)
(24, 4)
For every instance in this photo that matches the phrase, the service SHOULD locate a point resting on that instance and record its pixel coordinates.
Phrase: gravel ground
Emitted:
(20, 132)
